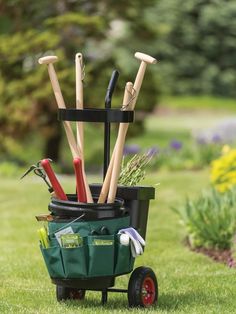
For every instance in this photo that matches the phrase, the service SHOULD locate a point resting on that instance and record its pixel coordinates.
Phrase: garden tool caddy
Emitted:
(83, 247)
(101, 257)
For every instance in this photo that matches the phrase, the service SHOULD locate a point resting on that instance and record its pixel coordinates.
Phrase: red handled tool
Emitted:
(80, 187)
(45, 163)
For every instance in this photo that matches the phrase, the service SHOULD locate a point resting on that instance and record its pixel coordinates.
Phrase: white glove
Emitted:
(136, 241)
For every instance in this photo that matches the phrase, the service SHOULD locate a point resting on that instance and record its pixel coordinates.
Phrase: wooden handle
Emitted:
(47, 59)
(45, 163)
(61, 104)
(107, 181)
(146, 58)
(115, 166)
(79, 98)
(80, 128)
(119, 147)
(75, 150)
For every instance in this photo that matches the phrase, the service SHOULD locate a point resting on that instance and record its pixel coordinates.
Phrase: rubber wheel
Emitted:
(65, 293)
(142, 288)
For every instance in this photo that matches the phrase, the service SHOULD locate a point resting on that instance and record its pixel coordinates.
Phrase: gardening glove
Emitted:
(136, 241)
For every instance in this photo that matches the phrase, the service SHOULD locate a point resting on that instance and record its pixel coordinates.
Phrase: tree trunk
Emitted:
(53, 143)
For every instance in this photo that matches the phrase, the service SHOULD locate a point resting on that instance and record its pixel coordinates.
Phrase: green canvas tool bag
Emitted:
(99, 254)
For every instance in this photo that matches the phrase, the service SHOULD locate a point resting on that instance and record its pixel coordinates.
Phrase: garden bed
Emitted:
(220, 256)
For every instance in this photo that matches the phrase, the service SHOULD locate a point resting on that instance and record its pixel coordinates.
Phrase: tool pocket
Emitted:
(124, 259)
(53, 260)
(74, 260)
(53, 242)
(101, 255)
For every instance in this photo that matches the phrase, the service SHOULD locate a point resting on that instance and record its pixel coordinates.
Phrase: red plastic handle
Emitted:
(81, 192)
(45, 163)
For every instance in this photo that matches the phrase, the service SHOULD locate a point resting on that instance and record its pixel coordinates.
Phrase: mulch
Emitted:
(220, 256)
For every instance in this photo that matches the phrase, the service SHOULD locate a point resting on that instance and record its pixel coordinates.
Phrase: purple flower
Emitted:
(176, 145)
(153, 151)
(231, 262)
(201, 140)
(216, 138)
(131, 149)
(223, 132)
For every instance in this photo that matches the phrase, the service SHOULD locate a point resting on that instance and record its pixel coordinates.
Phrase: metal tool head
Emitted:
(33, 167)
(39, 171)
(44, 217)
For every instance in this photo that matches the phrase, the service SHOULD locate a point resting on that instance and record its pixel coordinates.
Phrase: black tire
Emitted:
(142, 288)
(66, 293)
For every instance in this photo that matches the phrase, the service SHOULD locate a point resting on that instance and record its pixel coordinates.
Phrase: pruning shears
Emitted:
(43, 169)
(39, 171)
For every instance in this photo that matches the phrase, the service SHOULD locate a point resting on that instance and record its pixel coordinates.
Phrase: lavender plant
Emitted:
(134, 170)
(223, 132)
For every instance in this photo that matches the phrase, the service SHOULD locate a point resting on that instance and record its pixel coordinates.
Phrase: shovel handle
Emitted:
(45, 163)
(80, 187)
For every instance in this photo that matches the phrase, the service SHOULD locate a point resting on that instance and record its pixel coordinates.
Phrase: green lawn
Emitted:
(188, 282)
(199, 102)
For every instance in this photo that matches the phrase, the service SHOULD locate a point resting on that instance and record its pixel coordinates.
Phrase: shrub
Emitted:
(10, 169)
(210, 220)
(223, 171)
(190, 156)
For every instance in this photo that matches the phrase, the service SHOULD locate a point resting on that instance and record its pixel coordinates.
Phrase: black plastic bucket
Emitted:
(136, 202)
(90, 211)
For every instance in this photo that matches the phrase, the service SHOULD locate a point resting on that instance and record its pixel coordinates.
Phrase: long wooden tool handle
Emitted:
(79, 99)
(138, 82)
(136, 88)
(119, 147)
(79, 126)
(106, 183)
(45, 163)
(107, 180)
(61, 104)
(81, 192)
(145, 59)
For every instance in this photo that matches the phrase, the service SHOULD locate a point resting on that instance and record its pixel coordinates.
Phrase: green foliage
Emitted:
(10, 169)
(134, 170)
(29, 30)
(193, 40)
(210, 220)
(196, 46)
(191, 156)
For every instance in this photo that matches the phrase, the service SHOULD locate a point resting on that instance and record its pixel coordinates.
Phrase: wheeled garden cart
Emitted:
(85, 246)
(101, 257)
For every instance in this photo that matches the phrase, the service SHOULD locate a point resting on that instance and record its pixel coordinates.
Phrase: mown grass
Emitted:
(199, 102)
(188, 282)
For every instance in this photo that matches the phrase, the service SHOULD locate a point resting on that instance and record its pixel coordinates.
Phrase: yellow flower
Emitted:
(223, 170)
(225, 149)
